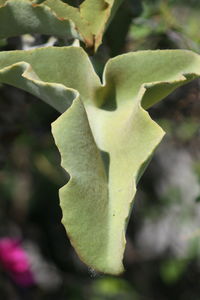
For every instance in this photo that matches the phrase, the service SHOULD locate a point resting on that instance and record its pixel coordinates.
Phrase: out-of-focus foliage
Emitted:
(112, 289)
(167, 24)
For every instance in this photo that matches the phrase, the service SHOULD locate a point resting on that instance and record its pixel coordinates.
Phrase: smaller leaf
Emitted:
(53, 17)
(26, 17)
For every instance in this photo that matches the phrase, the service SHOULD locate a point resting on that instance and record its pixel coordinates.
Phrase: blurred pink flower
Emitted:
(15, 261)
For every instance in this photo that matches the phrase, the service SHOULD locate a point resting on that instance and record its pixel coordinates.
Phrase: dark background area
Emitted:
(162, 257)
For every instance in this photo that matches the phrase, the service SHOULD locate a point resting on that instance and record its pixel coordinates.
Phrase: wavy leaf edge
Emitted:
(31, 76)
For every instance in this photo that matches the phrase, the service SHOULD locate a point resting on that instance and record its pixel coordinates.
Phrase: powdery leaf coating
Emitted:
(104, 134)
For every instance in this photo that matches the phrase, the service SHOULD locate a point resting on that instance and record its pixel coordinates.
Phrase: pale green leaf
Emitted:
(22, 16)
(104, 134)
(54, 17)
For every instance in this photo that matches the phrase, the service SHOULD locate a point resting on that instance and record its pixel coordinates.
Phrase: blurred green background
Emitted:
(162, 258)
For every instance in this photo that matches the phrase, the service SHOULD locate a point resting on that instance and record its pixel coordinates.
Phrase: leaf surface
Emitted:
(104, 134)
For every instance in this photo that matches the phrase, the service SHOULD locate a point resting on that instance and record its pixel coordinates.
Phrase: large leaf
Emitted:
(54, 17)
(104, 134)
